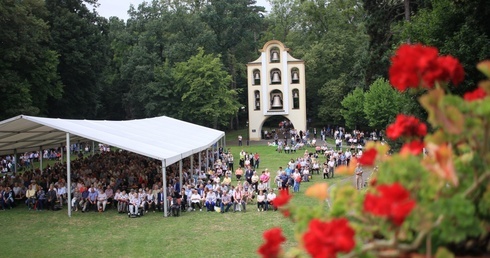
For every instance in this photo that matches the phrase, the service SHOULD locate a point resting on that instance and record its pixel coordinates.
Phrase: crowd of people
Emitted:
(132, 184)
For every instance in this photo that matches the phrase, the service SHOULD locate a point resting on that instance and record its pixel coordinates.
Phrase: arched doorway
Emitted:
(277, 126)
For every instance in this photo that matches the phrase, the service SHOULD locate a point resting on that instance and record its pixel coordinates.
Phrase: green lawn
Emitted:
(194, 234)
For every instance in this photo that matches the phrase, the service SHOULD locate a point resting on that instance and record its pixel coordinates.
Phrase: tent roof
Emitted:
(161, 138)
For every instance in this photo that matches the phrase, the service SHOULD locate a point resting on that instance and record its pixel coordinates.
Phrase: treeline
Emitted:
(187, 58)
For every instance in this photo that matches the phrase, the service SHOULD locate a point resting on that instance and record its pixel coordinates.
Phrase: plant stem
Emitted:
(476, 183)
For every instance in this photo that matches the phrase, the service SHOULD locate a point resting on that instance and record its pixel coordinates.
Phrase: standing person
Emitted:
(230, 162)
(255, 181)
(297, 180)
(248, 175)
(359, 179)
(239, 173)
(265, 177)
(284, 181)
(240, 138)
(256, 160)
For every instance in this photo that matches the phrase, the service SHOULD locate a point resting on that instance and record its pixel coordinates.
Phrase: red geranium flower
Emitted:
(368, 157)
(282, 199)
(414, 147)
(272, 246)
(326, 239)
(406, 126)
(417, 65)
(477, 94)
(393, 202)
(453, 67)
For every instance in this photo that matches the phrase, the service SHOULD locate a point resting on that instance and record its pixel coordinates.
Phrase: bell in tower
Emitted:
(275, 57)
(275, 78)
(295, 76)
(256, 78)
(276, 102)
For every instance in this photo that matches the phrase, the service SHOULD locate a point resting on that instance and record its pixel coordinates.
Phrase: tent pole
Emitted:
(164, 178)
(200, 165)
(61, 152)
(93, 147)
(207, 160)
(15, 162)
(192, 166)
(224, 142)
(68, 173)
(180, 175)
(41, 158)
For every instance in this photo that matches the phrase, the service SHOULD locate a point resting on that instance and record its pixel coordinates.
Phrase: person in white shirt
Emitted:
(122, 202)
(330, 167)
(134, 203)
(210, 200)
(101, 200)
(195, 200)
(260, 201)
(270, 200)
(348, 156)
(61, 194)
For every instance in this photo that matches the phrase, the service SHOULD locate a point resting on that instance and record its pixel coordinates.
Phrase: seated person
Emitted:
(51, 197)
(134, 203)
(260, 201)
(110, 195)
(287, 149)
(91, 203)
(123, 202)
(31, 197)
(239, 199)
(83, 201)
(315, 167)
(195, 200)
(225, 202)
(306, 174)
(175, 204)
(101, 200)
(77, 196)
(41, 199)
(210, 200)
(270, 200)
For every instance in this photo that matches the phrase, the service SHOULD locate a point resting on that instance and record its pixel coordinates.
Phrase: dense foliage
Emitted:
(62, 59)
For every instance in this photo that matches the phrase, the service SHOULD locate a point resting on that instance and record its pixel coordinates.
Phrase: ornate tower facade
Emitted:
(276, 87)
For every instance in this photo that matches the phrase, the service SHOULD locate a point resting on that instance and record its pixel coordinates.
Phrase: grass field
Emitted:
(194, 234)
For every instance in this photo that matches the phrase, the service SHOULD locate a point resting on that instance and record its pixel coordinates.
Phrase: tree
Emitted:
(459, 28)
(202, 85)
(27, 66)
(353, 109)
(79, 37)
(382, 103)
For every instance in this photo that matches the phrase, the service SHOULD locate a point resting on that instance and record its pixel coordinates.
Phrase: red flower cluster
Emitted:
(282, 199)
(272, 246)
(368, 157)
(414, 147)
(326, 239)
(406, 126)
(393, 203)
(417, 65)
(477, 94)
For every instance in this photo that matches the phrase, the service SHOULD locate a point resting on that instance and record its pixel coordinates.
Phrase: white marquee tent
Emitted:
(163, 138)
